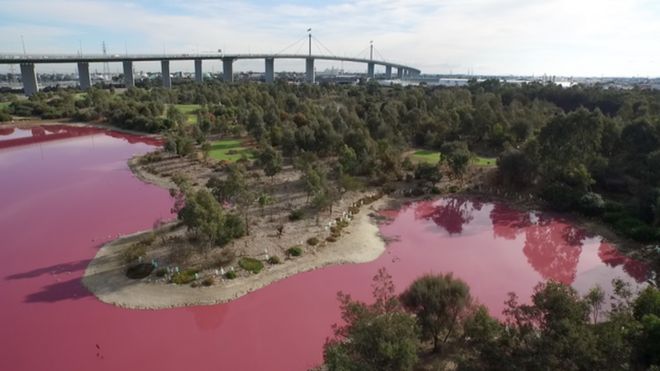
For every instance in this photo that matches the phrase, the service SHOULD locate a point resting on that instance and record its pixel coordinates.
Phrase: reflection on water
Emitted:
(14, 137)
(551, 246)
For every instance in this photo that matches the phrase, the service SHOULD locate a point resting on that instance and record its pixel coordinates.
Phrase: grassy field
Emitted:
(229, 150)
(484, 161)
(4, 105)
(432, 157)
(424, 155)
(190, 110)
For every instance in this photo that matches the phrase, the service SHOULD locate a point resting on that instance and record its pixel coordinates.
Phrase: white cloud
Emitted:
(564, 37)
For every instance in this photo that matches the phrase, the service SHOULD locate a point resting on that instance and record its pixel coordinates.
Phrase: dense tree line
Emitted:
(435, 323)
(589, 149)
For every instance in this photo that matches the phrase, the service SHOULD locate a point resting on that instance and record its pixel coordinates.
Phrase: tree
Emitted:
(427, 172)
(515, 168)
(457, 156)
(203, 216)
(235, 189)
(439, 302)
(376, 337)
(263, 200)
(270, 160)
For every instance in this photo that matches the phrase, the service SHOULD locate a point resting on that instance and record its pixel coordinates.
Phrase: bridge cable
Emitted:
(293, 44)
(324, 47)
(380, 55)
(359, 54)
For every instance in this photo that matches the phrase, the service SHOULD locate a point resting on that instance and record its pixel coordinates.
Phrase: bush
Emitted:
(139, 271)
(230, 275)
(274, 260)
(295, 251)
(161, 272)
(251, 265)
(134, 252)
(591, 204)
(183, 277)
(559, 196)
(232, 227)
(331, 239)
(428, 172)
(313, 241)
(226, 257)
(296, 215)
(208, 281)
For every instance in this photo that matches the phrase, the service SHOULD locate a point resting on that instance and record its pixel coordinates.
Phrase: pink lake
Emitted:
(65, 191)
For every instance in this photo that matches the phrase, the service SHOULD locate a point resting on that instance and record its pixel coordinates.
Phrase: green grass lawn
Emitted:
(220, 150)
(4, 105)
(424, 155)
(484, 161)
(432, 157)
(80, 96)
(190, 110)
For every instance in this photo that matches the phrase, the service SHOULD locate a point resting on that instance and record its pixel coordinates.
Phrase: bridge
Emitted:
(30, 85)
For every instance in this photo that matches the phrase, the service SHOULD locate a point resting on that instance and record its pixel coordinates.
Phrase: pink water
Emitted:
(63, 192)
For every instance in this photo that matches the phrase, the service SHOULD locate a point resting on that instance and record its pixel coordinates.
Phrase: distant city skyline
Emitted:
(489, 37)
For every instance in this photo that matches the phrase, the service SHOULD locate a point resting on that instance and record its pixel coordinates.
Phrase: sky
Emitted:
(486, 37)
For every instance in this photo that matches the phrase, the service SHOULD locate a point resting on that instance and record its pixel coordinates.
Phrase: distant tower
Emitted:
(106, 67)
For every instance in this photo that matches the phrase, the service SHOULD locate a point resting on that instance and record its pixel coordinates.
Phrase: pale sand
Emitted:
(105, 278)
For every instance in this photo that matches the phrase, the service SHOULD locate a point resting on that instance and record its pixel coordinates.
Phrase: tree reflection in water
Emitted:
(610, 256)
(507, 222)
(451, 213)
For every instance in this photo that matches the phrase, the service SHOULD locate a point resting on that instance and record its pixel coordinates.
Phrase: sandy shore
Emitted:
(105, 278)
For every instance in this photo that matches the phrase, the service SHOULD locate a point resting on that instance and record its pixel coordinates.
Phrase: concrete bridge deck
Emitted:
(30, 85)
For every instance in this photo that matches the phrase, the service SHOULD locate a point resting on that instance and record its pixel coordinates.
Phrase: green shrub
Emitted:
(274, 260)
(139, 271)
(312, 241)
(251, 265)
(591, 204)
(296, 215)
(230, 275)
(208, 281)
(183, 277)
(134, 252)
(161, 272)
(559, 196)
(295, 251)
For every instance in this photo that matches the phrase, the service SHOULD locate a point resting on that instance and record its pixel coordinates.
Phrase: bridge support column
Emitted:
(388, 72)
(228, 70)
(370, 70)
(199, 76)
(270, 70)
(29, 77)
(399, 73)
(165, 74)
(129, 82)
(83, 76)
(309, 70)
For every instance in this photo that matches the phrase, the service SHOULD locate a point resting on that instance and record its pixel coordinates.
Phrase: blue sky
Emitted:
(555, 37)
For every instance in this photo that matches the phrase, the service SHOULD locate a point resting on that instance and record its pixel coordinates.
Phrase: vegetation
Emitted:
(294, 251)
(184, 277)
(251, 265)
(558, 330)
(230, 150)
(378, 337)
(139, 271)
